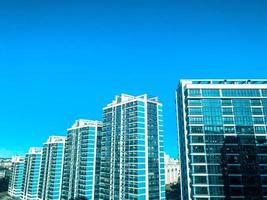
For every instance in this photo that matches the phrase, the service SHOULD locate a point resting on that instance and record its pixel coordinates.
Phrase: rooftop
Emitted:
(124, 98)
(56, 139)
(35, 150)
(85, 122)
(226, 81)
(16, 159)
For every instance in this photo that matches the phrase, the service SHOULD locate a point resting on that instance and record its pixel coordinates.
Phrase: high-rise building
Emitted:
(81, 163)
(132, 154)
(15, 182)
(172, 170)
(31, 174)
(222, 139)
(51, 171)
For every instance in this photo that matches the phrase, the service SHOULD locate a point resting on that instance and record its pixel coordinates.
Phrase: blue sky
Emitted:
(64, 60)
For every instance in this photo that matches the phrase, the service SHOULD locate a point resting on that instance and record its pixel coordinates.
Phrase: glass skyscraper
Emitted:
(15, 182)
(222, 139)
(132, 157)
(31, 174)
(81, 163)
(51, 168)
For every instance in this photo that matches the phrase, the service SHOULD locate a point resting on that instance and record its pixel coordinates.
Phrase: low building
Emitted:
(172, 170)
(5, 163)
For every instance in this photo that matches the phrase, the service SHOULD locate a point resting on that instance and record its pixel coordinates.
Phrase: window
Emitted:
(259, 129)
(197, 149)
(257, 111)
(241, 102)
(258, 120)
(196, 129)
(198, 159)
(264, 92)
(229, 129)
(227, 111)
(213, 129)
(243, 120)
(201, 190)
(226, 102)
(199, 169)
(197, 139)
(210, 93)
(255, 102)
(194, 111)
(194, 92)
(240, 92)
(214, 139)
(210, 120)
(228, 120)
(195, 120)
(200, 180)
(212, 102)
(212, 111)
(194, 102)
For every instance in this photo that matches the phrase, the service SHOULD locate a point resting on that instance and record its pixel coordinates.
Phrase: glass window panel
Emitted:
(240, 92)
(194, 92)
(226, 102)
(255, 102)
(210, 92)
(227, 111)
(194, 102)
(228, 120)
(257, 111)
(259, 129)
(194, 111)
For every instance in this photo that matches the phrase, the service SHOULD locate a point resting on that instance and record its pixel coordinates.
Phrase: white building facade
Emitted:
(172, 170)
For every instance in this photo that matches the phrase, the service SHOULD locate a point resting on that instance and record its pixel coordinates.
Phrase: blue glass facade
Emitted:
(16, 178)
(31, 174)
(51, 169)
(81, 161)
(222, 139)
(132, 158)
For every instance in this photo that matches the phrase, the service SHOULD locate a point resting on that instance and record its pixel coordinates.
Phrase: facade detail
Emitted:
(132, 154)
(51, 168)
(15, 182)
(31, 174)
(222, 139)
(81, 161)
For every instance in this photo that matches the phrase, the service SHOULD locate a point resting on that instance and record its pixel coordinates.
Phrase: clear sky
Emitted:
(64, 60)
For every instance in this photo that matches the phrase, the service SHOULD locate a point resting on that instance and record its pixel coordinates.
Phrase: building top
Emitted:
(17, 159)
(126, 98)
(225, 81)
(35, 150)
(56, 139)
(85, 122)
(170, 161)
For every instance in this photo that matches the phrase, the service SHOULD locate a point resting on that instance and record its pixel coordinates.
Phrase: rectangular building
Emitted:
(132, 157)
(16, 176)
(81, 163)
(172, 170)
(51, 171)
(31, 174)
(222, 139)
